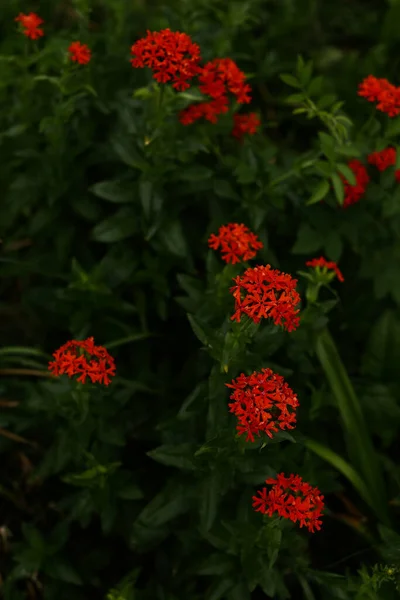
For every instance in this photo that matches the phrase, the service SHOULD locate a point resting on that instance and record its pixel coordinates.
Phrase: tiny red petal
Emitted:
(328, 264)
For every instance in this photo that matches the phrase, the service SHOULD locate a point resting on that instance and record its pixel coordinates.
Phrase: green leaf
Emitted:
(120, 226)
(308, 240)
(290, 80)
(338, 187)
(320, 192)
(146, 193)
(359, 443)
(175, 455)
(296, 98)
(393, 128)
(209, 498)
(58, 568)
(113, 191)
(173, 238)
(198, 330)
(196, 173)
(347, 173)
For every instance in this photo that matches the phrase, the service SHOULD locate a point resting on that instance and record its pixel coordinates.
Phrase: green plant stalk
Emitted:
(359, 444)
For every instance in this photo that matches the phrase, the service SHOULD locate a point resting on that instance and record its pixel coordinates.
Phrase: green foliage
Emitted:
(143, 490)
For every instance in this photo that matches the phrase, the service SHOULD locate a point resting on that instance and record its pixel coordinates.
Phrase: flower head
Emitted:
(383, 92)
(236, 242)
(30, 24)
(218, 78)
(267, 293)
(262, 402)
(304, 504)
(245, 124)
(79, 53)
(383, 159)
(353, 193)
(71, 360)
(170, 54)
(326, 265)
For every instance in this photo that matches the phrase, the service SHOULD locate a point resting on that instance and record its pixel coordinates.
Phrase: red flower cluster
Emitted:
(353, 193)
(236, 241)
(79, 53)
(245, 124)
(217, 78)
(325, 264)
(30, 24)
(384, 159)
(171, 55)
(71, 360)
(268, 293)
(305, 504)
(261, 402)
(383, 92)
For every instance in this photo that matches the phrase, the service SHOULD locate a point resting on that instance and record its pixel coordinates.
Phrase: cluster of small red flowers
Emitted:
(236, 242)
(78, 52)
(305, 504)
(321, 262)
(383, 92)
(261, 403)
(353, 193)
(71, 360)
(268, 293)
(245, 124)
(384, 159)
(171, 55)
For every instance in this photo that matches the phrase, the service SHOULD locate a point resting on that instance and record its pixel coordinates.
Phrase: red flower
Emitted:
(383, 159)
(236, 241)
(353, 193)
(69, 360)
(79, 53)
(261, 402)
(305, 504)
(171, 55)
(217, 78)
(31, 23)
(269, 293)
(325, 264)
(245, 124)
(382, 91)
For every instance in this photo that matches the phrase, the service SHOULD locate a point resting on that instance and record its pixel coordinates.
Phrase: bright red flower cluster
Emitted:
(262, 402)
(384, 159)
(236, 242)
(71, 360)
(353, 193)
(245, 124)
(383, 92)
(79, 53)
(30, 24)
(217, 79)
(325, 264)
(268, 293)
(170, 54)
(305, 504)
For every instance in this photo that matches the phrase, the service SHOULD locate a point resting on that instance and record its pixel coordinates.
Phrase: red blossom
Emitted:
(30, 24)
(305, 504)
(170, 54)
(261, 403)
(245, 124)
(79, 53)
(71, 360)
(217, 79)
(325, 264)
(236, 242)
(383, 92)
(353, 193)
(383, 159)
(268, 293)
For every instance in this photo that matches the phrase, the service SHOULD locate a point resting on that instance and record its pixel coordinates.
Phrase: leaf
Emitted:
(113, 190)
(198, 330)
(393, 128)
(224, 189)
(58, 568)
(173, 238)
(308, 240)
(175, 455)
(197, 173)
(347, 173)
(145, 193)
(320, 192)
(209, 499)
(131, 492)
(338, 187)
(290, 80)
(122, 225)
